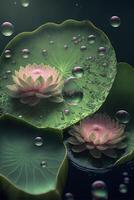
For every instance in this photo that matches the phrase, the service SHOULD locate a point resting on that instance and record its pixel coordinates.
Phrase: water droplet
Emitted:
(5, 77)
(43, 164)
(20, 116)
(91, 39)
(99, 190)
(89, 58)
(125, 173)
(126, 180)
(115, 21)
(101, 51)
(65, 46)
(8, 72)
(25, 53)
(74, 38)
(83, 47)
(38, 141)
(25, 3)
(44, 52)
(122, 116)
(69, 196)
(51, 42)
(78, 72)
(7, 29)
(66, 112)
(71, 92)
(7, 53)
(123, 188)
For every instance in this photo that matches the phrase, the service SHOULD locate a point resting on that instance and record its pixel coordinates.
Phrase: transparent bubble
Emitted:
(78, 72)
(99, 190)
(122, 116)
(91, 39)
(51, 42)
(123, 188)
(8, 72)
(38, 141)
(25, 53)
(125, 173)
(43, 164)
(69, 196)
(71, 92)
(65, 46)
(66, 112)
(115, 21)
(44, 52)
(83, 47)
(101, 51)
(7, 29)
(7, 53)
(25, 3)
(74, 38)
(126, 180)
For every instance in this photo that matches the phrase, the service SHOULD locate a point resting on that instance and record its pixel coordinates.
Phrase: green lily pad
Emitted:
(32, 161)
(64, 46)
(121, 97)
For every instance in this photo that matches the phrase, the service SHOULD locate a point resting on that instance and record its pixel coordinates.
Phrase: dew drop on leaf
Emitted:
(91, 39)
(25, 3)
(25, 53)
(43, 164)
(101, 51)
(7, 53)
(78, 72)
(71, 92)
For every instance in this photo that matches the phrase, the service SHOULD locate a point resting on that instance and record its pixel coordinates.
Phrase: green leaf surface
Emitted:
(28, 171)
(121, 97)
(65, 46)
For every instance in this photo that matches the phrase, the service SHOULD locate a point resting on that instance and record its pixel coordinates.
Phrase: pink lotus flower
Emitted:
(99, 134)
(35, 82)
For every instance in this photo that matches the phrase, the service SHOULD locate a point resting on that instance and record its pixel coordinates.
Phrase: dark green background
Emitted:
(98, 11)
(122, 38)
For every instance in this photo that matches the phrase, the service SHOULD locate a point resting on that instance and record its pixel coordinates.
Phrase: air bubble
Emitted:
(115, 21)
(44, 52)
(122, 116)
(25, 53)
(99, 190)
(25, 3)
(7, 29)
(101, 51)
(71, 92)
(38, 141)
(66, 112)
(43, 164)
(78, 72)
(83, 47)
(123, 188)
(7, 53)
(91, 39)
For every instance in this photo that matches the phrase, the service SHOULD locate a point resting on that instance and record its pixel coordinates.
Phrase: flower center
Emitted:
(37, 71)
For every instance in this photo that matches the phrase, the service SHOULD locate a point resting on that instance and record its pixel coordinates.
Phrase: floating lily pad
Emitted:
(32, 161)
(121, 97)
(75, 49)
